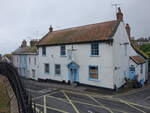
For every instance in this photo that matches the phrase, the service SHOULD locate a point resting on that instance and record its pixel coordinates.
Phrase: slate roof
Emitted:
(137, 59)
(83, 34)
(25, 50)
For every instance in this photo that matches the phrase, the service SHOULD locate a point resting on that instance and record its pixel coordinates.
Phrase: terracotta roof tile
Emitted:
(137, 59)
(94, 32)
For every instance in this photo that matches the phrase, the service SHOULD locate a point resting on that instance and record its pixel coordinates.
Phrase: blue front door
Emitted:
(73, 72)
(132, 75)
(73, 75)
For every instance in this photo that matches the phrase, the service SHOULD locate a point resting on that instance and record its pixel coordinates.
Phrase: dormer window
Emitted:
(63, 50)
(94, 49)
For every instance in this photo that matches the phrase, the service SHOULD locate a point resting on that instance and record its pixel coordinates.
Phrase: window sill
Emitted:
(44, 55)
(63, 55)
(96, 80)
(94, 55)
(46, 73)
(58, 75)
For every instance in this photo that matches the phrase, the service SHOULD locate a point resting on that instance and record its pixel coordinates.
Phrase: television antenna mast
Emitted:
(116, 6)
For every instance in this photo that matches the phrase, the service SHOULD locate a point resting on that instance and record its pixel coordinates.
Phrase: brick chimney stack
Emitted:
(119, 14)
(24, 44)
(128, 29)
(50, 29)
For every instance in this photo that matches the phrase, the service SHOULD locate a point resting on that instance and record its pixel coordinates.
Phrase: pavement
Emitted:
(48, 98)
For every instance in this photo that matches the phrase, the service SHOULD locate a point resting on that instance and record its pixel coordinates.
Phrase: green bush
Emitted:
(146, 49)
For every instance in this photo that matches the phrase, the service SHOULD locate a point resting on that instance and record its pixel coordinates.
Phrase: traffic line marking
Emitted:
(59, 110)
(79, 93)
(70, 101)
(108, 109)
(134, 107)
(147, 98)
(110, 98)
(123, 101)
(45, 109)
(97, 106)
(57, 98)
(44, 95)
(135, 104)
(93, 94)
(37, 110)
(133, 91)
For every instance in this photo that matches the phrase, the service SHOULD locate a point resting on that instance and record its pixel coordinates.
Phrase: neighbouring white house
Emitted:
(101, 54)
(25, 59)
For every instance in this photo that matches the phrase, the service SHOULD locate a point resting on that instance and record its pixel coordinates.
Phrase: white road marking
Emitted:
(45, 108)
(90, 112)
(70, 101)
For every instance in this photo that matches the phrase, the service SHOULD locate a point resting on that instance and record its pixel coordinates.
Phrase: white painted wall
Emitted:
(138, 70)
(82, 56)
(122, 61)
(15, 61)
(120, 55)
(112, 61)
(32, 65)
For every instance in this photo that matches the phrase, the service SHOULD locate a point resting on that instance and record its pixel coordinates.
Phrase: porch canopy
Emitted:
(137, 59)
(73, 65)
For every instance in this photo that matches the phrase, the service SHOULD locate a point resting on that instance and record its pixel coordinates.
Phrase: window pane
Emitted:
(46, 68)
(93, 72)
(94, 49)
(63, 50)
(43, 50)
(57, 69)
(94, 76)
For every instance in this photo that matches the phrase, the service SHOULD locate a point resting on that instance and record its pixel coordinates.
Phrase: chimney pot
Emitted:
(119, 14)
(24, 44)
(50, 29)
(33, 42)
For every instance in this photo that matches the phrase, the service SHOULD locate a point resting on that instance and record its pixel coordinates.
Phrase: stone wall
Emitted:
(7, 89)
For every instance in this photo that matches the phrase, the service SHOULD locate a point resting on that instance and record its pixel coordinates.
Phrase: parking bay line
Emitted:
(59, 110)
(66, 101)
(74, 107)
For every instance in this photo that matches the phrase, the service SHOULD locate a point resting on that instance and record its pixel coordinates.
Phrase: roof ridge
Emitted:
(84, 26)
(86, 33)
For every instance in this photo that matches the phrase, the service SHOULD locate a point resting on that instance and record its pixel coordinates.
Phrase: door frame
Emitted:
(75, 68)
(132, 72)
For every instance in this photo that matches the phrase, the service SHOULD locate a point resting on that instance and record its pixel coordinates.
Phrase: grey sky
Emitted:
(28, 19)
